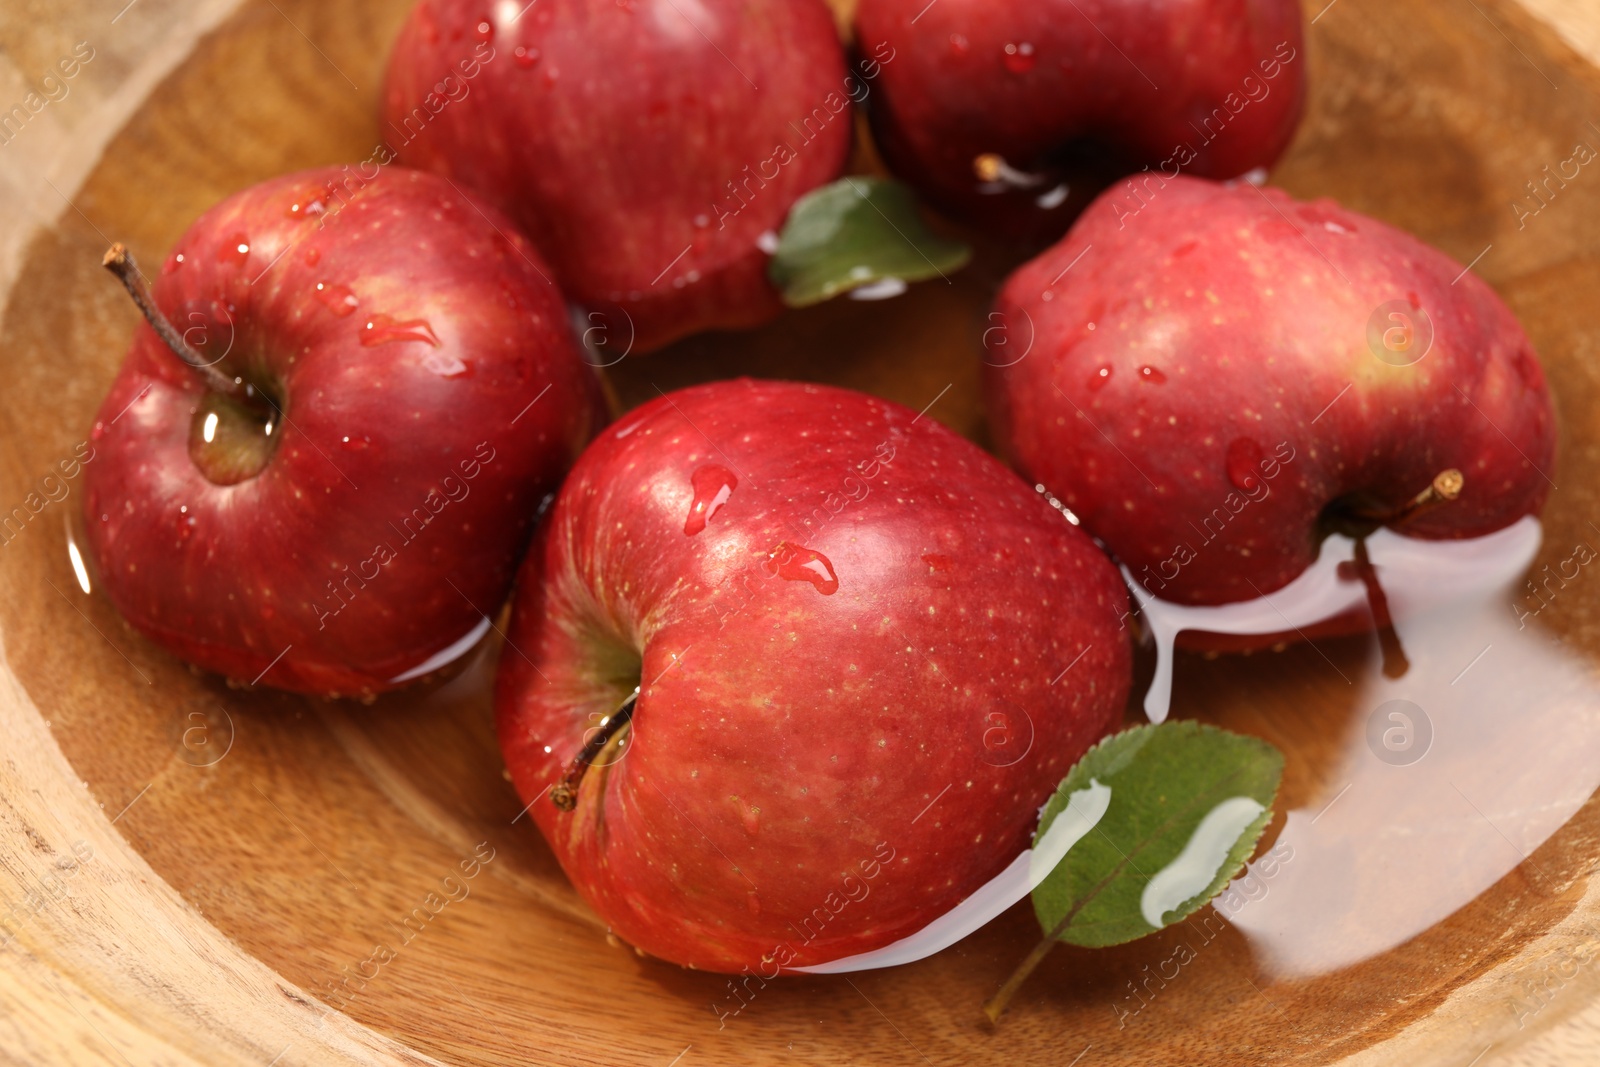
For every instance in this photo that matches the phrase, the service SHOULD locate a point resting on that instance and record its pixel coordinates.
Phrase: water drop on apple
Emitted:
(796, 563)
(446, 366)
(713, 485)
(336, 298)
(385, 329)
(1243, 462)
(1019, 58)
(235, 248)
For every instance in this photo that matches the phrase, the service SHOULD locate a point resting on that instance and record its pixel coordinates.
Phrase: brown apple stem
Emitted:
(992, 167)
(1395, 663)
(1445, 487)
(565, 793)
(119, 261)
(997, 1003)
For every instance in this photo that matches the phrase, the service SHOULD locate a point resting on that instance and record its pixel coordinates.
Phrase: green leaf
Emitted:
(1187, 803)
(855, 232)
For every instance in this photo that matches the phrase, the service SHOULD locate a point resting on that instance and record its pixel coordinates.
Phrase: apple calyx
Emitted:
(564, 795)
(119, 261)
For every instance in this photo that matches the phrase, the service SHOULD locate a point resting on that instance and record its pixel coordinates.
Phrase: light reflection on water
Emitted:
(1403, 839)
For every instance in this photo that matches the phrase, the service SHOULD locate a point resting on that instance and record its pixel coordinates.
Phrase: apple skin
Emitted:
(786, 740)
(1078, 109)
(1252, 311)
(228, 576)
(623, 182)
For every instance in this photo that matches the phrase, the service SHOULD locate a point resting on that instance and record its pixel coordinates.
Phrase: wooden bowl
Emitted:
(192, 873)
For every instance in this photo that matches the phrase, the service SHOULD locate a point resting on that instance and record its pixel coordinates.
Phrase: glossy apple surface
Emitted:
(1073, 94)
(1226, 370)
(645, 146)
(858, 640)
(403, 335)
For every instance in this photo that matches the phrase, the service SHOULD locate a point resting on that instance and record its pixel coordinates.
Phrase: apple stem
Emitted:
(1395, 663)
(565, 793)
(997, 1004)
(992, 167)
(1445, 487)
(119, 261)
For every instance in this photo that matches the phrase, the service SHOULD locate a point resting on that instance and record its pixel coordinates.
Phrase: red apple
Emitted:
(1015, 113)
(414, 390)
(857, 639)
(1213, 376)
(646, 147)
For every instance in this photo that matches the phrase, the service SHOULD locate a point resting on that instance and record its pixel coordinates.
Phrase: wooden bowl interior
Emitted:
(308, 831)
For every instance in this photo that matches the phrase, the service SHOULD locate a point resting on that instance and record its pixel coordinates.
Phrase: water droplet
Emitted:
(382, 329)
(1328, 215)
(796, 563)
(484, 29)
(882, 289)
(1244, 463)
(312, 257)
(1151, 374)
(307, 205)
(355, 444)
(713, 485)
(1099, 378)
(525, 57)
(235, 248)
(336, 298)
(445, 365)
(174, 262)
(1019, 58)
(959, 46)
(1528, 367)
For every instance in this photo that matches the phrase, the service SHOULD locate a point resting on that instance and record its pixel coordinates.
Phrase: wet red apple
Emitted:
(865, 653)
(337, 493)
(1212, 377)
(650, 149)
(1015, 113)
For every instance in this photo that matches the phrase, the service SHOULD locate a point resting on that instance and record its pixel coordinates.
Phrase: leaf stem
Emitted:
(997, 1003)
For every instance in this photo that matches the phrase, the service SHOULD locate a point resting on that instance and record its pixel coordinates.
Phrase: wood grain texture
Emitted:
(254, 866)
